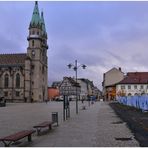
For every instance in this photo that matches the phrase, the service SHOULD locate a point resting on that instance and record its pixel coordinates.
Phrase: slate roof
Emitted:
(87, 81)
(135, 78)
(56, 83)
(12, 59)
(71, 81)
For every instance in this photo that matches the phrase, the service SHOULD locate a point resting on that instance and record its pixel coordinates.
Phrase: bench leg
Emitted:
(6, 144)
(38, 131)
(29, 138)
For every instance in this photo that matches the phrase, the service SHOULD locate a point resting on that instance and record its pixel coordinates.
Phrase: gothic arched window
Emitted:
(6, 79)
(17, 80)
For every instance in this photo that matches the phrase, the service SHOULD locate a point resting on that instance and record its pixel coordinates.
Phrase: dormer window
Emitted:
(33, 32)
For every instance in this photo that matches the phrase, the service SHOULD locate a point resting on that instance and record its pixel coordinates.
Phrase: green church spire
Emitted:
(35, 21)
(43, 23)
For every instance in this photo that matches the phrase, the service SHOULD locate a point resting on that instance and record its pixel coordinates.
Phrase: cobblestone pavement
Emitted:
(91, 127)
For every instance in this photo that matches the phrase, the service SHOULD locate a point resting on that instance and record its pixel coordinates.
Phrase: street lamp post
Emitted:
(75, 68)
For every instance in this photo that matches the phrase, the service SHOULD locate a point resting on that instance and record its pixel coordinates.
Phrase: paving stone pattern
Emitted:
(95, 126)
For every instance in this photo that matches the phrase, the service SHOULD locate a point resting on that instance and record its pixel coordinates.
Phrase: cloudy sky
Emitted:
(101, 35)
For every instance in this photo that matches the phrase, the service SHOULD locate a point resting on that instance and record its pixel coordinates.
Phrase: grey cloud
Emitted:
(101, 35)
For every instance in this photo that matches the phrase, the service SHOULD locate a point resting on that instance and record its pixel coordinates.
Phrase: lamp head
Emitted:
(69, 66)
(83, 66)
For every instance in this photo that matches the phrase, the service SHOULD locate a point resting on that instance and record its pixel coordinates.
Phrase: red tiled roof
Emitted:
(141, 74)
(12, 59)
(135, 78)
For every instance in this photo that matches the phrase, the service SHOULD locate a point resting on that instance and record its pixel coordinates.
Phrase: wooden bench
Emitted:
(43, 125)
(17, 136)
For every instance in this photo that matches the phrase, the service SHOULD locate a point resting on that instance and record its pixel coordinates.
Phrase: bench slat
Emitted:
(43, 124)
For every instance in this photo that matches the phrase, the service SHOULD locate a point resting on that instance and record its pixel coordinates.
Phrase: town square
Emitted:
(73, 74)
(92, 127)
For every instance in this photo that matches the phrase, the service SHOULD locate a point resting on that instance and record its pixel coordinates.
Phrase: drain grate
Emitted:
(124, 139)
(118, 122)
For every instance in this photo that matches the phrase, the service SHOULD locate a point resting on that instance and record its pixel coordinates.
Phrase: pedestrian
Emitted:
(31, 100)
(46, 101)
(89, 101)
(82, 100)
(25, 99)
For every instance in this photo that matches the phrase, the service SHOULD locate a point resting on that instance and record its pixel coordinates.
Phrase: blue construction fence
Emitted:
(140, 102)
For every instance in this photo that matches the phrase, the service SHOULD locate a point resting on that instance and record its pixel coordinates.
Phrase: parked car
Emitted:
(59, 98)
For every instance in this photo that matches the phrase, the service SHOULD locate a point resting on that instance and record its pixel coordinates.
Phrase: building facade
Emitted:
(56, 84)
(23, 77)
(53, 93)
(69, 87)
(87, 88)
(97, 93)
(110, 79)
(135, 83)
(84, 89)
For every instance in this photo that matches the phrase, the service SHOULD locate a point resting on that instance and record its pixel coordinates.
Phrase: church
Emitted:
(24, 76)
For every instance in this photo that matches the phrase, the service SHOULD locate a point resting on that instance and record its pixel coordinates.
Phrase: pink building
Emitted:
(52, 93)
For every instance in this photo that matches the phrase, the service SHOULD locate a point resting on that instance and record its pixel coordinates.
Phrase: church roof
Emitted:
(12, 59)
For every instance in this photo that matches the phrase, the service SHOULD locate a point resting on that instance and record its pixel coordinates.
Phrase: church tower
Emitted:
(36, 66)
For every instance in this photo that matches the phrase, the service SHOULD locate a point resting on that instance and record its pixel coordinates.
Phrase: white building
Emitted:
(135, 83)
(84, 89)
(69, 87)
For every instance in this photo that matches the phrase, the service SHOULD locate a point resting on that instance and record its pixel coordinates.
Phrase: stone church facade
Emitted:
(24, 76)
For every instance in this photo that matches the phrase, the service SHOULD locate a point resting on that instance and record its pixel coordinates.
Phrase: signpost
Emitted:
(67, 88)
(66, 108)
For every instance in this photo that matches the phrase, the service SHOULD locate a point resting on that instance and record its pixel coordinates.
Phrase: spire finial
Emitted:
(36, 2)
